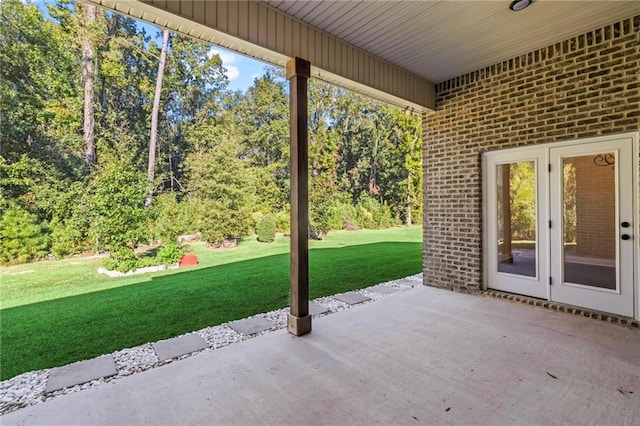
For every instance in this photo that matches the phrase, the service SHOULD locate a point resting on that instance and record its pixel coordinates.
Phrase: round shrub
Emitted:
(169, 253)
(267, 229)
(121, 259)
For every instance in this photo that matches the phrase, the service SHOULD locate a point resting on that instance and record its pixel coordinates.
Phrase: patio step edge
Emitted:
(562, 307)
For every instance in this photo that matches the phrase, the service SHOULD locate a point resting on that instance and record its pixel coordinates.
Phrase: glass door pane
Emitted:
(516, 228)
(589, 220)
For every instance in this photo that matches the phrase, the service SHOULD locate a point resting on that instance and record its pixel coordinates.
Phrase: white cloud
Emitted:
(232, 72)
(228, 58)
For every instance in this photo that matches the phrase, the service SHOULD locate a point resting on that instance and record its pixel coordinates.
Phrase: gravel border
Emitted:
(29, 388)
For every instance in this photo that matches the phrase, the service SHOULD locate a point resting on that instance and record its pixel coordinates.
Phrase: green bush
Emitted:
(367, 213)
(321, 221)
(66, 239)
(22, 237)
(416, 216)
(69, 236)
(322, 195)
(219, 182)
(170, 253)
(342, 212)
(118, 193)
(267, 229)
(372, 214)
(217, 223)
(211, 222)
(124, 259)
(171, 218)
(121, 259)
(145, 261)
(283, 219)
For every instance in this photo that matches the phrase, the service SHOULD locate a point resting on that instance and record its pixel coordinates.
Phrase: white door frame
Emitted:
(536, 286)
(614, 301)
(489, 158)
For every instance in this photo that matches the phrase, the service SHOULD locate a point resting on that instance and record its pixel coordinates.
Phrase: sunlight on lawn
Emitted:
(62, 311)
(51, 279)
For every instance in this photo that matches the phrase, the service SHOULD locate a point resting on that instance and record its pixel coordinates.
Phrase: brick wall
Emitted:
(582, 87)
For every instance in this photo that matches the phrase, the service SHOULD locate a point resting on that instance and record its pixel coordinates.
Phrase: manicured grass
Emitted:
(63, 311)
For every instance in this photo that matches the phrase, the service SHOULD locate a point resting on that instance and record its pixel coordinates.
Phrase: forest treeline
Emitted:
(88, 164)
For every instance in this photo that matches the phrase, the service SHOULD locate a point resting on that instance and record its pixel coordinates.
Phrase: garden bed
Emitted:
(145, 270)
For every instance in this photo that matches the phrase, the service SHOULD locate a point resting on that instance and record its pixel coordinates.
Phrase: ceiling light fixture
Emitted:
(518, 5)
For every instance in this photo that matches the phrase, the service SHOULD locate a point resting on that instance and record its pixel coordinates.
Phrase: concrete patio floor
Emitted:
(421, 356)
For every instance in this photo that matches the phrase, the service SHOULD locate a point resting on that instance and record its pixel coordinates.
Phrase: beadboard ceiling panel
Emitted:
(258, 30)
(439, 40)
(391, 50)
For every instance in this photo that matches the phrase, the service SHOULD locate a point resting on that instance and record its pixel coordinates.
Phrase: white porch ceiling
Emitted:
(392, 50)
(439, 40)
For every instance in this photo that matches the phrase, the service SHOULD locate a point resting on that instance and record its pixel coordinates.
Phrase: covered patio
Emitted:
(484, 78)
(426, 356)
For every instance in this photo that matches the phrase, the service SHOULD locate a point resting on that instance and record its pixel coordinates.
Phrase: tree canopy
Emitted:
(77, 92)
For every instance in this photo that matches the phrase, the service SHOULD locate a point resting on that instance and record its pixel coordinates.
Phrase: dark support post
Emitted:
(298, 72)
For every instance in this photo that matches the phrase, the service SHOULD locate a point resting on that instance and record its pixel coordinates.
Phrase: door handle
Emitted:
(625, 224)
(625, 237)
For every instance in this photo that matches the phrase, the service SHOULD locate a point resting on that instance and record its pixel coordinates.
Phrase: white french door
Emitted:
(591, 208)
(516, 246)
(559, 222)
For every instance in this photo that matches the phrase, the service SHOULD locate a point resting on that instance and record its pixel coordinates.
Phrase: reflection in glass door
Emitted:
(516, 206)
(589, 216)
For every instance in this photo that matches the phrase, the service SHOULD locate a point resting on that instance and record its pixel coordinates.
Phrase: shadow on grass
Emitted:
(61, 331)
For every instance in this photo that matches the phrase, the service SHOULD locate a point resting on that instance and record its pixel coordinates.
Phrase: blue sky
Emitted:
(241, 70)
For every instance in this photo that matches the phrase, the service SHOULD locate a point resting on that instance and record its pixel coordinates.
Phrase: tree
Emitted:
(405, 176)
(323, 145)
(265, 115)
(118, 215)
(523, 200)
(219, 182)
(22, 237)
(154, 117)
(38, 88)
(193, 85)
(81, 81)
(126, 72)
(89, 16)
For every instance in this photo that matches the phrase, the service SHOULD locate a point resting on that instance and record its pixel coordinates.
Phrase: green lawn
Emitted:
(57, 312)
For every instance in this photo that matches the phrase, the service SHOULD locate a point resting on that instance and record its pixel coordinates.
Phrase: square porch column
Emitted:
(299, 320)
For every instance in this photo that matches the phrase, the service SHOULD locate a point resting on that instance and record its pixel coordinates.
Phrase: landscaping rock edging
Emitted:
(145, 270)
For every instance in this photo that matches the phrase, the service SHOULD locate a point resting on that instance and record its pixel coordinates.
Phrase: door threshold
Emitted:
(562, 307)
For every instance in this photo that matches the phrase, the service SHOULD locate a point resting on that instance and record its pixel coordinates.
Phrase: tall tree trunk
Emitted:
(154, 116)
(88, 76)
(409, 201)
(409, 184)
